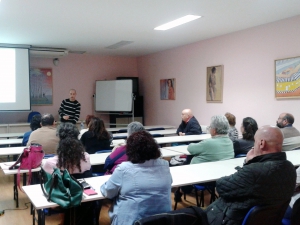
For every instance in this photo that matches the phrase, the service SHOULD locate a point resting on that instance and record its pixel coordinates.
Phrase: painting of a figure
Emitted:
(214, 88)
(41, 86)
(167, 89)
(287, 81)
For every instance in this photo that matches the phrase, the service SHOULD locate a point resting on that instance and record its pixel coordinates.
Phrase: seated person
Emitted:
(218, 147)
(233, 132)
(46, 135)
(248, 129)
(97, 138)
(267, 178)
(189, 124)
(87, 122)
(291, 136)
(71, 154)
(118, 154)
(35, 123)
(294, 197)
(136, 186)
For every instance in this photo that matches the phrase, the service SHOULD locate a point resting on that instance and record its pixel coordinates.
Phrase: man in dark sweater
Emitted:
(189, 124)
(69, 110)
(291, 136)
(267, 178)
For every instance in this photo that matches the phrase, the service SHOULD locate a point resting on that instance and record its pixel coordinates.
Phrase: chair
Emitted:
(122, 130)
(240, 155)
(157, 128)
(270, 214)
(295, 216)
(120, 137)
(31, 114)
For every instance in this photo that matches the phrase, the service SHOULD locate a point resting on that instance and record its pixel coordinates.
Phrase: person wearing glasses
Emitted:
(291, 135)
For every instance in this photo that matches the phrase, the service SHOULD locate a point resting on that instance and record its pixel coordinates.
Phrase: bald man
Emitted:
(267, 178)
(291, 136)
(189, 124)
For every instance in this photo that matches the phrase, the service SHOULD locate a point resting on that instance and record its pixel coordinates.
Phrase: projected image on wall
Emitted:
(41, 86)
(7, 76)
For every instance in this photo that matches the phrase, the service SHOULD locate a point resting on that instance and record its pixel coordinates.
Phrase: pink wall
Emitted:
(79, 72)
(248, 58)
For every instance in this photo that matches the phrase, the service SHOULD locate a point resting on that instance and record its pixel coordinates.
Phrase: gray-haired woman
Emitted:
(119, 153)
(218, 147)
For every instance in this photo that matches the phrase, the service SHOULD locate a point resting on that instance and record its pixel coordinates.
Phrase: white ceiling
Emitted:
(92, 25)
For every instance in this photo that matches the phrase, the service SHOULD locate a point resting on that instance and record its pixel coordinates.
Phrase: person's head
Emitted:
(170, 84)
(97, 127)
(268, 139)
(231, 119)
(47, 120)
(35, 122)
(88, 119)
(213, 70)
(141, 146)
(249, 128)
(70, 150)
(285, 119)
(219, 125)
(186, 114)
(67, 130)
(72, 95)
(134, 127)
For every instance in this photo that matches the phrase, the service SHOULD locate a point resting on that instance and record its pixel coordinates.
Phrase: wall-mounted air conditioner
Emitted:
(48, 52)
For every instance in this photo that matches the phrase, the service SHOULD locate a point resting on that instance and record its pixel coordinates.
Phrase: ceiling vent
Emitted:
(119, 44)
(48, 52)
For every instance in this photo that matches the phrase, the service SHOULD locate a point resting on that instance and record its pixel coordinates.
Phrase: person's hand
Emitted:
(66, 117)
(250, 155)
(181, 134)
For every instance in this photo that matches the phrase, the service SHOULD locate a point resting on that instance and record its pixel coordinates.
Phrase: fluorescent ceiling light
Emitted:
(177, 22)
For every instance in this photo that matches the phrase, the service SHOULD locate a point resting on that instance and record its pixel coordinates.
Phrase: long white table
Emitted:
(162, 132)
(116, 129)
(10, 135)
(11, 141)
(11, 150)
(187, 138)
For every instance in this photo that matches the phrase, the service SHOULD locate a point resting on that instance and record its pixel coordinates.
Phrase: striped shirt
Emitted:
(71, 109)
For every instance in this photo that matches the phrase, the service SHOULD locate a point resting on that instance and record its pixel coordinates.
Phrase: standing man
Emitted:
(291, 136)
(189, 124)
(69, 110)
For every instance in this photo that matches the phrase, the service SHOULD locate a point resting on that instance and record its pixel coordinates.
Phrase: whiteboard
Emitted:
(113, 95)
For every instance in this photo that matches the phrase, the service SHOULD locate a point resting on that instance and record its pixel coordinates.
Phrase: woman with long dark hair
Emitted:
(71, 154)
(97, 137)
(248, 129)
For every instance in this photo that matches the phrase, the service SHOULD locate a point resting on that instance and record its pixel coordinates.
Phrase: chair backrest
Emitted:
(120, 137)
(31, 114)
(240, 155)
(102, 151)
(85, 174)
(122, 130)
(157, 135)
(295, 217)
(157, 128)
(270, 214)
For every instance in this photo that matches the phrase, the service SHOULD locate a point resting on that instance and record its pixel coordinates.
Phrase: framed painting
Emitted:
(287, 78)
(167, 89)
(214, 84)
(41, 81)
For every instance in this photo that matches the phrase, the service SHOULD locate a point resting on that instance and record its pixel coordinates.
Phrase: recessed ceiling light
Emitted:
(177, 22)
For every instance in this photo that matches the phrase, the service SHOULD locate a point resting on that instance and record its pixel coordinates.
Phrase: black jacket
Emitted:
(265, 180)
(190, 128)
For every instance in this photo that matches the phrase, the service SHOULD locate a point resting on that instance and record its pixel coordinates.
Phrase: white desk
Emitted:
(181, 148)
(10, 135)
(162, 132)
(117, 142)
(10, 141)
(11, 150)
(187, 138)
(115, 129)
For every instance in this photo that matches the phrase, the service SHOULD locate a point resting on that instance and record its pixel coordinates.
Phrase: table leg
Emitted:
(41, 217)
(24, 179)
(33, 215)
(16, 194)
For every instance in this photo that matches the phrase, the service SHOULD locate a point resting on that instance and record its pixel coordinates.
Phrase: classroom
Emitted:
(247, 56)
